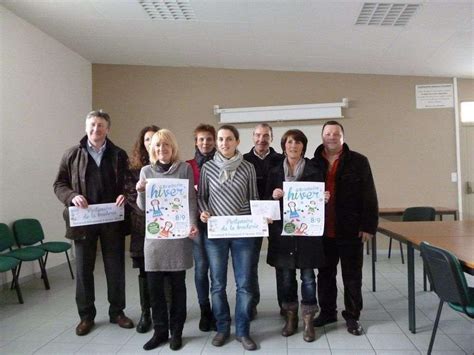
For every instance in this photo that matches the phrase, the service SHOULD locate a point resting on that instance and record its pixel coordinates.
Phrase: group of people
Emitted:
(222, 182)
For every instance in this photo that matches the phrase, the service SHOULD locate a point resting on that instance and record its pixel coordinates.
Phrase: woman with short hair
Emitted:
(167, 258)
(288, 253)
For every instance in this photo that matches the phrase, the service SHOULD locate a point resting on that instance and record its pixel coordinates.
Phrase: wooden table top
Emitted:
(455, 236)
(398, 211)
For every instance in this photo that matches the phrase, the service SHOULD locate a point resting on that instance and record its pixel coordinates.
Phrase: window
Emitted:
(467, 112)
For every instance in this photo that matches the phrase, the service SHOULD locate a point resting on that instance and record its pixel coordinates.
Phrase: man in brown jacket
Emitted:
(93, 172)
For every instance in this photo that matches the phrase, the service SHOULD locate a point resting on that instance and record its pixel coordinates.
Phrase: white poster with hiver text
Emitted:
(303, 208)
(167, 209)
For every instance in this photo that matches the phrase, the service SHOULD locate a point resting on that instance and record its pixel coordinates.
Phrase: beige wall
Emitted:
(412, 152)
(46, 90)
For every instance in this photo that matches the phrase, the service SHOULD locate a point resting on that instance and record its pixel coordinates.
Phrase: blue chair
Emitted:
(25, 254)
(449, 283)
(28, 231)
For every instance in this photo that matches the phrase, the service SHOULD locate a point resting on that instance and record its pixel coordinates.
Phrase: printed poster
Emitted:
(266, 208)
(303, 208)
(95, 214)
(246, 226)
(167, 209)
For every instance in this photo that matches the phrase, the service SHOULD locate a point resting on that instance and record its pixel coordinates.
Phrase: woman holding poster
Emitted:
(138, 160)
(298, 250)
(169, 257)
(226, 186)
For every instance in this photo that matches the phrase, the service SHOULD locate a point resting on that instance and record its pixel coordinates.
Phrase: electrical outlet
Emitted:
(454, 177)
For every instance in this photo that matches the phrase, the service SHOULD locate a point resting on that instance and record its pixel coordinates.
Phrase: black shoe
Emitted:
(144, 324)
(156, 340)
(354, 327)
(323, 319)
(176, 342)
(207, 321)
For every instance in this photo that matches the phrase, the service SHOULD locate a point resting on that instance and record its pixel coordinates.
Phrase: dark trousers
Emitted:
(254, 285)
(159, 307)
(352, 258)
(112, 243)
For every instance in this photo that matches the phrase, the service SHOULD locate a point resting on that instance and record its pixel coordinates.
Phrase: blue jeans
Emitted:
(289, 286)
(242, 250)
(201, 267)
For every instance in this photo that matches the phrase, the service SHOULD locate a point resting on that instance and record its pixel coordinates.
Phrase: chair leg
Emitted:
(401, 253)
(45, 261)
(435, 327)
(69, 264)
(43, 274)
(389, 247)
(17, 275)
(17, 287)
(368, 249)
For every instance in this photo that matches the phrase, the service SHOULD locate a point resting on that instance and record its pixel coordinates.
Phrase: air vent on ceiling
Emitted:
(168, 9)
(386, 14)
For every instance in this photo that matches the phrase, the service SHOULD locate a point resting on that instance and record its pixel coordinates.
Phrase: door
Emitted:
(467, 166)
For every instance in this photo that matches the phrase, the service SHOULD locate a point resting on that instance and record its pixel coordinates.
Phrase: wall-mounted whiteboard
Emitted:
(312, 131)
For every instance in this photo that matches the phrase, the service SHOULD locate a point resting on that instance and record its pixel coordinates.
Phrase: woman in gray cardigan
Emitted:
(171, 257)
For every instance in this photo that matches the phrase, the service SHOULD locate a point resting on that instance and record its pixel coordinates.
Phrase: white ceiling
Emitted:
(295, 35)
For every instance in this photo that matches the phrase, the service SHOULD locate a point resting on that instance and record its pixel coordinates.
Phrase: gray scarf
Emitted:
(226, 166)
(298, 170)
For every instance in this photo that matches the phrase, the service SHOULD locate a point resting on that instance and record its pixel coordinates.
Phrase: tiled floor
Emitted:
(45, 323)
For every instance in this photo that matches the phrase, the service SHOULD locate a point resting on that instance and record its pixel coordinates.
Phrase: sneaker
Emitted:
(323, 319)
(354, 327)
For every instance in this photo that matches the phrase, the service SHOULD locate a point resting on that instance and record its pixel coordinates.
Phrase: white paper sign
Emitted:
(237, 227)
(266, 208)
(303, 208)
(95, 214)
(434, 96)
(167, 209)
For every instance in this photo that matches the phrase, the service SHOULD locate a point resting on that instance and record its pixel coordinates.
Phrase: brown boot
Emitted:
(308, 312)
(291, 319)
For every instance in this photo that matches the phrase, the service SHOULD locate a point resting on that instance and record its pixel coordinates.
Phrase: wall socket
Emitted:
(454, 177)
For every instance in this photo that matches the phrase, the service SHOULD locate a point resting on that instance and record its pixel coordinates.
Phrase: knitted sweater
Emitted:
(175, 254)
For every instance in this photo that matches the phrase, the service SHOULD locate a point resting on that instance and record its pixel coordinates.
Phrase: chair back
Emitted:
(6, 237)
(417, 214)
(28, 231)
(446, 274)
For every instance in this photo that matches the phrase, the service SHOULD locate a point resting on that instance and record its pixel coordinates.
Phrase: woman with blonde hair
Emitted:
(167, 257)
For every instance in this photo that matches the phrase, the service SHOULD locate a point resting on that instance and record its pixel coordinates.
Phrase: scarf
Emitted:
(227, 167)
(297, 173)
(201, 158)
(166, 168)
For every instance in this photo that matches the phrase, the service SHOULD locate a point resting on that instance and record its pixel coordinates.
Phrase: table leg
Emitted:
(374, 259)
(411, 288)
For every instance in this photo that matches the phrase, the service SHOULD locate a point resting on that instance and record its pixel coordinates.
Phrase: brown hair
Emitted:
(333, 123)
(298, 136)
(140, 156)
(231, 128)
(204, 128)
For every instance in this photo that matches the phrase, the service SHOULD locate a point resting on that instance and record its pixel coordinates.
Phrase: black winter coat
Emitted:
(356, 197)
(292, 252)
(136, 215)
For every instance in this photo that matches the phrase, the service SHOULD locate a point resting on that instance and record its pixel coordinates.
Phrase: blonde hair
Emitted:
(164, 135)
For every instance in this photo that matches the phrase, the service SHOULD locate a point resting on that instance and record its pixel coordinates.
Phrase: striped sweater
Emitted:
(230, 198)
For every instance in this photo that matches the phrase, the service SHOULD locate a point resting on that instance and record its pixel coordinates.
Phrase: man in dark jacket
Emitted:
(90, 173)
(351, 220)
(263, 157)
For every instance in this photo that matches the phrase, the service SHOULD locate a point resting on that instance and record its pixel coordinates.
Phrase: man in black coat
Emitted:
(263, 157)
(94, 172)
(351, 220)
